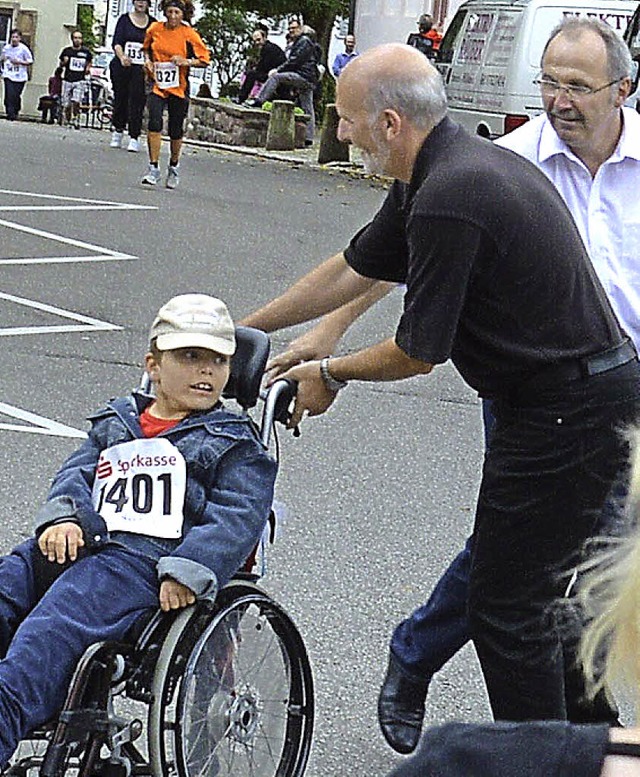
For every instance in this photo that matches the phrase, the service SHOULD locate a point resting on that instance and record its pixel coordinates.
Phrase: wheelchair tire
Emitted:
(234, 695)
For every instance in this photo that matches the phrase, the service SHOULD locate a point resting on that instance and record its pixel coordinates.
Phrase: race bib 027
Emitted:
(167, 76)
(139, 487)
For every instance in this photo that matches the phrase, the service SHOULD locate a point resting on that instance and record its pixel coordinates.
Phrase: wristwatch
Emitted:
(330, 382)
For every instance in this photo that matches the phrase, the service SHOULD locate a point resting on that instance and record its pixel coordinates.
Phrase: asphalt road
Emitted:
(380, 491)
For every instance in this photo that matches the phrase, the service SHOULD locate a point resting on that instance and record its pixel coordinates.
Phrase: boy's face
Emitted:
(186, 380)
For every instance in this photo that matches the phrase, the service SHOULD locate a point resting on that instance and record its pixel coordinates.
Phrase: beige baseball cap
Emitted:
(194, 321)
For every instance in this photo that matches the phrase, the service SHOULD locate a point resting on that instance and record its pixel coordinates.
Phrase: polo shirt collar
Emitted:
(551, 145)
(432, 149)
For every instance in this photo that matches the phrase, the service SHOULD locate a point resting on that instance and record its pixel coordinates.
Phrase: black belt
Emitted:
(576, 369)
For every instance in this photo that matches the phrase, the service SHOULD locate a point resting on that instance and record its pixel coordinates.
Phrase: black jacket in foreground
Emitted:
(534, 749)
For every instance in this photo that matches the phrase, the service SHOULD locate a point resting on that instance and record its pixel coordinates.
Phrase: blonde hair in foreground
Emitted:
(610, 595)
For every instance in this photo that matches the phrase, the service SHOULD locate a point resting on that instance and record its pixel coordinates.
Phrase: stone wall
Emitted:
(220, 121)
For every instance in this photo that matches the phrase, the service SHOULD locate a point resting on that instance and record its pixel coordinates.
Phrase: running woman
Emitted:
(127, 74)
(170, 49)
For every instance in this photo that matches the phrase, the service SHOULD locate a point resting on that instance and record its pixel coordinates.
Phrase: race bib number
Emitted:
(140, 486)
(167, 76)
(134, 52)
(77, 64)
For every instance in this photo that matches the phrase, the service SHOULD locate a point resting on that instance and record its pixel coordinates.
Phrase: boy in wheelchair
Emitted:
(161, 504)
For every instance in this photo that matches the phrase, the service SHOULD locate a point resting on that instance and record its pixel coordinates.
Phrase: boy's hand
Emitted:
(61, 541)
(174, 595)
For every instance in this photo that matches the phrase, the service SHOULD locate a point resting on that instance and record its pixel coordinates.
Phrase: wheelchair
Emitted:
(218, 688)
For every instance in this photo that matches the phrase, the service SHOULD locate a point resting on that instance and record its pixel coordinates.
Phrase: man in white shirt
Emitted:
(15, 58)
(588, 145)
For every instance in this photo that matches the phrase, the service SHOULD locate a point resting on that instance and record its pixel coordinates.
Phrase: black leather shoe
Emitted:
(401, 708)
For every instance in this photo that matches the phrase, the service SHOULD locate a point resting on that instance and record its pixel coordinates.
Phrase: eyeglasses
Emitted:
(573, 91)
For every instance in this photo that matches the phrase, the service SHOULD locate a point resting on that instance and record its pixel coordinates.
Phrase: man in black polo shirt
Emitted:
(499, 282)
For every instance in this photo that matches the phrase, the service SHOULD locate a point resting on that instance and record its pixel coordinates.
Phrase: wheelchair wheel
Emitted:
(234, 696)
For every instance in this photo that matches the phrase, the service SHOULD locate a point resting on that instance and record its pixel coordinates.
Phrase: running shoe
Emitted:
(116, 140)
(134, 145)
(152, 177)
(173, 179)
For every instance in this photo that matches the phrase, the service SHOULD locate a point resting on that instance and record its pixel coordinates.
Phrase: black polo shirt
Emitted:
(498, 279)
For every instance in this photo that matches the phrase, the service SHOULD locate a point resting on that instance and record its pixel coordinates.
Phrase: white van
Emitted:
(490, 56)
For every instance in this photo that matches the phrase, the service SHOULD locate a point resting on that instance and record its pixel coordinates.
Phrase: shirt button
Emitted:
(97, 538)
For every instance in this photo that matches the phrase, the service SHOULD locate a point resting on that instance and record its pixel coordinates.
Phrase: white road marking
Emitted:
(86, 322)
(120, 205)
(33, 423)
(40, 424)
(66, 240)
(68, 259)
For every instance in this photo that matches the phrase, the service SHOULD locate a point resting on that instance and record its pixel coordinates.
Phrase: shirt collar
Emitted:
(628, 146)
(432, 148)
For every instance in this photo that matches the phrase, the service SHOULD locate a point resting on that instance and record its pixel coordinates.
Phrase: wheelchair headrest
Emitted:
(247, 366)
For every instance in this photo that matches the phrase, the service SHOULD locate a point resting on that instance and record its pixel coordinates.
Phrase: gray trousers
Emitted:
(305, 95)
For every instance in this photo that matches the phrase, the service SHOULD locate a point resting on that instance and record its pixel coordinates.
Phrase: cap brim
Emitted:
(171, 342)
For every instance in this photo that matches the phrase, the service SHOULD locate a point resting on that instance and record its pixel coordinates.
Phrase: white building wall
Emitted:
(47, 25)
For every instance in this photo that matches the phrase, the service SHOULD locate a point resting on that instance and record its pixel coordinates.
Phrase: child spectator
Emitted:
(160, 505)
(49, 104)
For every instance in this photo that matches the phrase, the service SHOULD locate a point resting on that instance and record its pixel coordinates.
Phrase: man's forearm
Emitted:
(327, 287)
(380, 362)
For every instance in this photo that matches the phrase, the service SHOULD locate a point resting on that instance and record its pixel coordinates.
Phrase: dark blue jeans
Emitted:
(546, 476)
(13, 97)
(41, 639)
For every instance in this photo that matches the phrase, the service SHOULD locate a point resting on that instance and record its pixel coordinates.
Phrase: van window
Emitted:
(448, 43)
(500, 50)
(632, 35)
(475, 38)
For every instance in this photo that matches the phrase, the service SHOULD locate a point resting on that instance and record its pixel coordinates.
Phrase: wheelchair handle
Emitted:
(277, 399)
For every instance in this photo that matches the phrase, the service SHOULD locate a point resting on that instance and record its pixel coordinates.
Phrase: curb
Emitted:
(353, 169)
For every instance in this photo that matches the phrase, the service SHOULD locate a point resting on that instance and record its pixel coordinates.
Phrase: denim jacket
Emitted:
(229, 492)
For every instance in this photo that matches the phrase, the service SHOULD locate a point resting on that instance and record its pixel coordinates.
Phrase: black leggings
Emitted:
(177, 108)
(128, 98)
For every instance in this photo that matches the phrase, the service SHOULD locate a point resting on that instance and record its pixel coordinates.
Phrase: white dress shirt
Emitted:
(606, 208)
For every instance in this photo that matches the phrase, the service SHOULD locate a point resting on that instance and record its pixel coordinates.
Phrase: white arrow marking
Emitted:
(41, 425)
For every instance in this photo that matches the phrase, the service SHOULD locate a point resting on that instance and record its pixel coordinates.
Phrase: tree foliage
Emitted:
(225, 29)
(85, 23)
(319, 14)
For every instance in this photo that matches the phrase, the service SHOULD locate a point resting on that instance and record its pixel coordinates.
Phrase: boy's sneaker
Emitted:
(134, 145)
(173, 179)
(253, 102)
(152, 177)
(116, 140)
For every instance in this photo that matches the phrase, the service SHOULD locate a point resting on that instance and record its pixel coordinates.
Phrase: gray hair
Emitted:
(618, 56)
(421, 100)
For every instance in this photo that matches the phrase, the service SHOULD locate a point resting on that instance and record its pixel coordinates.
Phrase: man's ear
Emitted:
(392, 123)
(624, 90)
(152, 367)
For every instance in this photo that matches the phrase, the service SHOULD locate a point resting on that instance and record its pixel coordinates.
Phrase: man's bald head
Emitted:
(397, 77)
